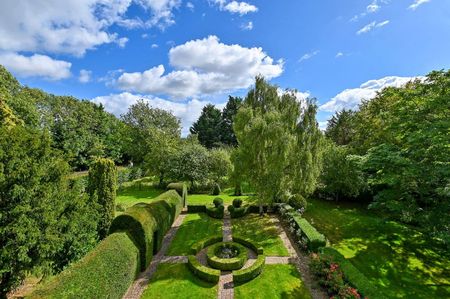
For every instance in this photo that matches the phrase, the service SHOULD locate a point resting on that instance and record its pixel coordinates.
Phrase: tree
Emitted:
(208, 127)
(340, 128)
(219, 164)
(102, 185)
(279, 142)
(144, 121)
(191, 163)
(227, 135)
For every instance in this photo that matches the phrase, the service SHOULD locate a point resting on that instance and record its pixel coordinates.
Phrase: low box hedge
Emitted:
(202, 272)
(248, 244)
(254, 209)
(146, 221)
(226, 264)
(315, 239)
(244, 275)
(178, 186)
(215, 212)
(197, 247)
(237, 212)
(105, 272)
(196, 209)
(354, 277)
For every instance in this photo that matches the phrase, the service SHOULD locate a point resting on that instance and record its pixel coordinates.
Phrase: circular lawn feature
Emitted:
(226, 256)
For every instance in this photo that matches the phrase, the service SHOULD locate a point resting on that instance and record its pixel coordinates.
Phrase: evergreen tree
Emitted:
(208, 127)
(227, 135)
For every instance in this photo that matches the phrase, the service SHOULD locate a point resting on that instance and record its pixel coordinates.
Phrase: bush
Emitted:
(215, 212)
(216, 189)
(120, 207)
(205, 273)
(218, 202)
(248, 244)
(298, 202)
(106, 272)
(135, 173)
(255, 209)
(226, 264)
(196, 209)
(177, 187)
(238, 190)
(146, 221)
(244, 275)
(237, 202)
(197, 247)
(237, 212)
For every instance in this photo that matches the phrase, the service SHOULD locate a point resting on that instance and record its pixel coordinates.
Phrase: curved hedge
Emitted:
(227, 264)
(205, 273)
(143, 220)
(197, 247)
(182, 190)
(105, 272)
(237, 212)
(351, 273)
(244, 275)
(248, 244)
(214, 212)
(196, 209)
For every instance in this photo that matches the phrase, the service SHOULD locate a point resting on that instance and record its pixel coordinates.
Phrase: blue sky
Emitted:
(180, 55)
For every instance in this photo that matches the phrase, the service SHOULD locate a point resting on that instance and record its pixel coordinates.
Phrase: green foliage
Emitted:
(237, 212)
(229, 112)
(197, 247)
(226, 264)
(237, 202)
(219, 165)
(106, 272)
(218, 202)
(342, 174)
(7, 117)
(102, 185)
(196, 208)
(244, 275)
(205, 273)
(45, 222)
(143, 220)
(248, 244)
(340, 128)
(279, 142)
(215, 211)
(207, 127)
(216, 190)
(177, 187)
(191, 163)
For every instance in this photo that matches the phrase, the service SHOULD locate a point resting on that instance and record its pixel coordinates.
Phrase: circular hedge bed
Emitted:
(227, 256)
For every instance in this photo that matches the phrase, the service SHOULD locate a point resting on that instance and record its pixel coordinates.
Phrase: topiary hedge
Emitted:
(197, 247)
(244, 275)
(105, 272)
(248, 244)
(205, 273)
(196, 209)
(215, 212)
(182, 190)
(351, 273)
(226, 264)
(237, 212)
(148, 223)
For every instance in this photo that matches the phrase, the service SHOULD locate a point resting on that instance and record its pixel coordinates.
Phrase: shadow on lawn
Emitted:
(401, 261)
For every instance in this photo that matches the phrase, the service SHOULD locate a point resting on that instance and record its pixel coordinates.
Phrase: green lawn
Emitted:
(261, 231)
(400, 260)
(137, 191)
(195, 227)
(276, 281)
(177, 282)
(226, 195)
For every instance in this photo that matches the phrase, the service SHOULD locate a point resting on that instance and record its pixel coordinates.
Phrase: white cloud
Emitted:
(203, 66)
(339, 54)
(308, 56)
(417, 3)
(247, 26)
(372, 26)
(241, 8)
(373, 7)
(85, 76)
(190, 6)
(122, 42)
(154, 46)
(188, 112)
(36, 66)
(351, 98)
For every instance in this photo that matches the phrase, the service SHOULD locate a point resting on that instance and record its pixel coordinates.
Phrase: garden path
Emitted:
(226, 287)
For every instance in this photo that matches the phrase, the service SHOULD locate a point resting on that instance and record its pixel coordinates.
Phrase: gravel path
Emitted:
(226, 288)
(137, 288)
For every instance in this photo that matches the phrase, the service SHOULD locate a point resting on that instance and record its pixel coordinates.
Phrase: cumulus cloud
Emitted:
(369, 27)
(190, 6)
(36, 66)
(351, 98)
(417, 3)
(188, 112)
(241, 8)
(85, 76)
(203, 66)
(308, 56)
(154, 46)
(247, 26)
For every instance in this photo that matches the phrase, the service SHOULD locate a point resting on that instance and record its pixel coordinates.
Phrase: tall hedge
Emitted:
(102, 185)
(143, 220)
(106, 272)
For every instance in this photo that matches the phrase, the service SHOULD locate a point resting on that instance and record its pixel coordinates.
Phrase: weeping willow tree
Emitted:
(280, 144)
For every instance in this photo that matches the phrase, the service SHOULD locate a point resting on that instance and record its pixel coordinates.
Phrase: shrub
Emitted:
(205, 273)
(218, 202)
(215, 212)
(106, 272)
(238, 190)
(177, 187)
(237, 212)
(135, 173)
(226, 264)
(237, 202)
(143, 221)
(120, 207)
(197, 247)
(248, 244)
(255, 209)
(298, 202)
(102, 184)
(196, 209)
(244, 275)
(216, 189)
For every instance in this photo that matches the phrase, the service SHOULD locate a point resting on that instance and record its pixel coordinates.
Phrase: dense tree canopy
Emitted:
(207, 127)
(340, 127)
(230, 110)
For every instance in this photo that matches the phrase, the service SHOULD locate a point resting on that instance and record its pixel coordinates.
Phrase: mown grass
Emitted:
(401, 261)
(142, 190)
(195, 227)
(226, 195)
(276, 281)
(175, 281)
(262, 231)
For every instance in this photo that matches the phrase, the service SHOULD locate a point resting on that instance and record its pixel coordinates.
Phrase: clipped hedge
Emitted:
(105, 272)
(182, 190)
(143, 220)
(351, 273)
(196, 209)
(244, 275)
(255, 209)
(215, 212)
(237, 212)
(205, 273)
(248, 244)
(315, 239)
(197, 247)
(226, 264)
